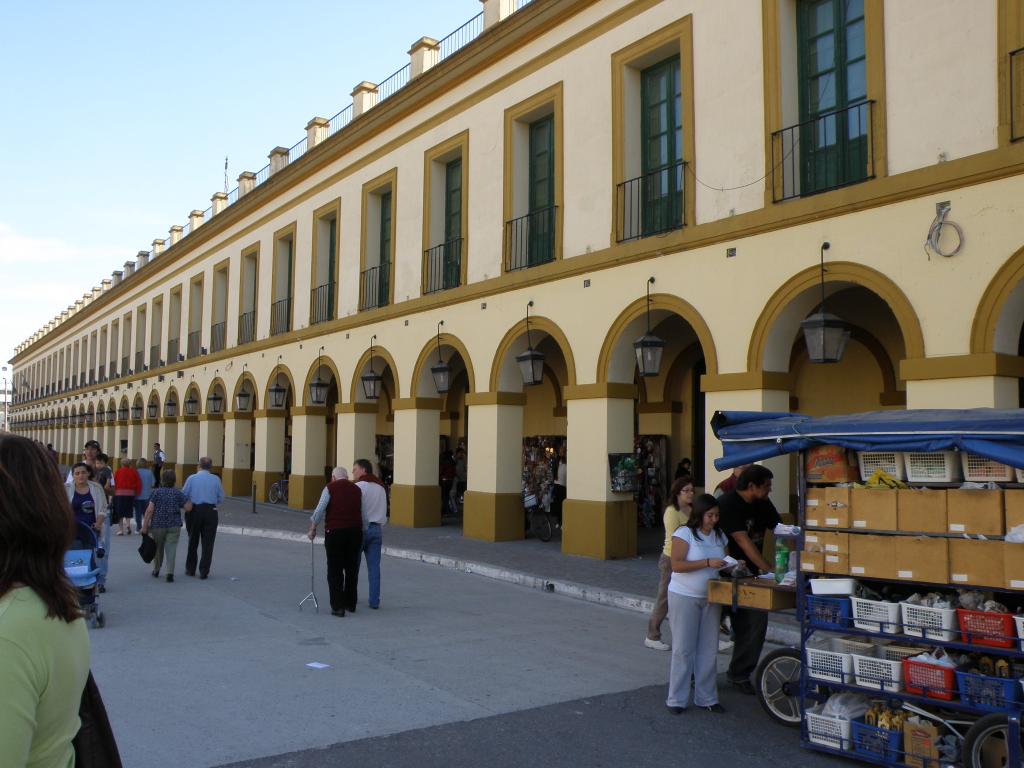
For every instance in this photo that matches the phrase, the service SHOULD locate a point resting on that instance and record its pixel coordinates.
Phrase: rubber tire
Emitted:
(985, 728)
(540, 525)
(274, 494)
(786, 663)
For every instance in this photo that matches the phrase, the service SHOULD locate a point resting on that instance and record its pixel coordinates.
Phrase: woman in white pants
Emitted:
(698, 549)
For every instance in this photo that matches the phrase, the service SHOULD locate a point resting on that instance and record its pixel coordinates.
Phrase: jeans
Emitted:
(660, 610)
(343, 547)
(140, 510)
(202, 528)
(104, 563)
(694, 625)
(372, 541)
(166, 547)
(749, 629)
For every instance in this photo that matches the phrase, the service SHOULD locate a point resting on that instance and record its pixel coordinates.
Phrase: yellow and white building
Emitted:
(564, 152)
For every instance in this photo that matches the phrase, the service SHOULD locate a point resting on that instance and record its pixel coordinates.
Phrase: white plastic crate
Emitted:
(828, 731)
(895, 652)
(890, 462)
(876, 616)
(931, 623)
(829, 665)
(978, 469)
(854, 645)
(1020, 633)
(878, 674)
(827, 586)
(1020, 474)
(938, 467)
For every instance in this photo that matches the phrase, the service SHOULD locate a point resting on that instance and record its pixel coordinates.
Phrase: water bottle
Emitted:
(781, 560)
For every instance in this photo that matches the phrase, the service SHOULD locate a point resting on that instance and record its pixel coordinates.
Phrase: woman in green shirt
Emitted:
(44, 646)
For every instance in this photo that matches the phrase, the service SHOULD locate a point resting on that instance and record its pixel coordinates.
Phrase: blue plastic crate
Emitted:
(878, 743)
(991, 694)
(829, 612)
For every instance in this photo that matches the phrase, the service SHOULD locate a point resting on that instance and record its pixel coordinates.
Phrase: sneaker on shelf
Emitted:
(657, 645)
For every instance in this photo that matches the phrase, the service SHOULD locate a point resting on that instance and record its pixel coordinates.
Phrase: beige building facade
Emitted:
(552, 160)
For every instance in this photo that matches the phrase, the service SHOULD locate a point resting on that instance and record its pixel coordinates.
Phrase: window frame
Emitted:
(247, 252)
(431, 158)
(289, 232)
(387, 181)
(329, 211)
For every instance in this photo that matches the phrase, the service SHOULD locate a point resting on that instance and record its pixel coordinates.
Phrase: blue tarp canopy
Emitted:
(750, 436)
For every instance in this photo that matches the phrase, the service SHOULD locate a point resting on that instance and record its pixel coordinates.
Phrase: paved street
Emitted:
(454, 669)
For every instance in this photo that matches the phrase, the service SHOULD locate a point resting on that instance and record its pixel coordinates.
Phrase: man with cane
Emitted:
(340, 508)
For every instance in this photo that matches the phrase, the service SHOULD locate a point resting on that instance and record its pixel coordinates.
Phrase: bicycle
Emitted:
(538, 516)
(278, 491)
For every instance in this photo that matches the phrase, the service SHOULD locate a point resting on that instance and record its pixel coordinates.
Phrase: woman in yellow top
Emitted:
(44, 646)
(676, 515)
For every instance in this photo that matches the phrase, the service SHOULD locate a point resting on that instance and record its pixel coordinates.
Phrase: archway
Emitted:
(240, 436)
(998, 325)
(315, 434)
(367, 427)
(274, 431)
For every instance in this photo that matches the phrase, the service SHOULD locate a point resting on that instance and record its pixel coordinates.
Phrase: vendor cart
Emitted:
(932, 535)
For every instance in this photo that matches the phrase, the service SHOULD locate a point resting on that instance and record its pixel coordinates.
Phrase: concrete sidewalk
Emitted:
(628, 584)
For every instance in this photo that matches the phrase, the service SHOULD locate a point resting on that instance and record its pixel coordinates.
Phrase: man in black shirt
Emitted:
(745, 514)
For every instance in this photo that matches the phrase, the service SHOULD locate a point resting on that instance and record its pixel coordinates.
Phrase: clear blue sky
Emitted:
(115, 118)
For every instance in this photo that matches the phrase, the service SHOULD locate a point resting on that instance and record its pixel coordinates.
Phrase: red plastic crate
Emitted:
(929, 680)
(983, 628)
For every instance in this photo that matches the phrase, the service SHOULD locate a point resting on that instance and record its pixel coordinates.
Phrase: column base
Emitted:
(182, 472)
(605, 530)
(263, 481)
(493, 516)
(237, 482)
(304, 490)
(415, 506)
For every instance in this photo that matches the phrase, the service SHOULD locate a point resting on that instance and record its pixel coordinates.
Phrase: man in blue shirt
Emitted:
(203, 492)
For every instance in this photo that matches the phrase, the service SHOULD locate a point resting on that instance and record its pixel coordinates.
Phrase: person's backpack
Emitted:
(94, 744)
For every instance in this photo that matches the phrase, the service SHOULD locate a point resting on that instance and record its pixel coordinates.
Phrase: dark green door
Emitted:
(452, 268)
(541, 234)
(384, 257)
(834, 113)
(332, 265)
(661, 183)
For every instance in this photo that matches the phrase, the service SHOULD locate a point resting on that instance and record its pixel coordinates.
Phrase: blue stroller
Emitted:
(81, 568)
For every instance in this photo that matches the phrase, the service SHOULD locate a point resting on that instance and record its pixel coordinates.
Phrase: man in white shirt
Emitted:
(375, 515)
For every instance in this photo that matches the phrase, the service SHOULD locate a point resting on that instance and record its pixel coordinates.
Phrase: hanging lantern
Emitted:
(530, 362)
(214, 402)
(372, 380)
(122, 413)
(171, 409)
(277, 395)
(317, 387)
(190, 404)
(242, 400)
(648, 348)
(825, 335)
(442, 372)
(151, 410)
(136, 412)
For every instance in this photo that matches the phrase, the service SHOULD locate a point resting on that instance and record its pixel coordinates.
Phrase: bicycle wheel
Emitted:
(777, 683)
(540, 525)
(274, 495)
(284, 493)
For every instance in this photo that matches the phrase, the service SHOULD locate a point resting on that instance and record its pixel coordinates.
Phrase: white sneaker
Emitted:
(657, 645)
(725, 645)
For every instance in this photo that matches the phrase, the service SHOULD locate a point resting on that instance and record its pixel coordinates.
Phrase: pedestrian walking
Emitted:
(88, 501)
(159, 457)
(203, 492)
(559, 488)
(375, 515)
(163, 522)
(340, 509)
(147, 480)
(676, 514)
(698, 552)
(127, 486)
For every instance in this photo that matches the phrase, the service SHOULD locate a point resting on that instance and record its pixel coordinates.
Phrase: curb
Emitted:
(780, 631)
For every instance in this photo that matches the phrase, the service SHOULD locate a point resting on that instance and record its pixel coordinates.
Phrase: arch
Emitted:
(325, 362)
(447, 340)
(138, 400)
(280, 370)
(543, 325)
(246, 377)
(991, 316)
(663, 302)
(355, 390)
(217, 383)
(154, 396)
(836, 272)
(870, 343)
(172, 394)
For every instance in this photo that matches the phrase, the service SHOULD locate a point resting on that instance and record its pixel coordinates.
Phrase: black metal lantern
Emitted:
(242, 400)
(101, 415)
(372, 380)
(122, 413)
(136, 412)
(530, 362)
(214, 402)
(191, 403)
(171, 409)
(151, 410)
(441, 372)
(649, 348)
(88, 418)
(317, 387)
(277, 392)
(825, 334)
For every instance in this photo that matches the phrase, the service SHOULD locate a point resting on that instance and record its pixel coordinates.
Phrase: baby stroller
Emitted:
(81, 568)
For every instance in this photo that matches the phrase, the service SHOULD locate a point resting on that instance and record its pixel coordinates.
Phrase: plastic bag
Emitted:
(846, 706)
(1015, 535)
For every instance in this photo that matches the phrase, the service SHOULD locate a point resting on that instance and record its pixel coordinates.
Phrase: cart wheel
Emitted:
(777, 681)
(274, 495)
(986, 743)
(540, 525)
(101, 620)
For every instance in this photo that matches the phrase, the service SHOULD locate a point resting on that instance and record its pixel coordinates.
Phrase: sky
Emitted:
(116, 117)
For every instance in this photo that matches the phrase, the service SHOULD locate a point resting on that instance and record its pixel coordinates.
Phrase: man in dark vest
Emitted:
(340, 508)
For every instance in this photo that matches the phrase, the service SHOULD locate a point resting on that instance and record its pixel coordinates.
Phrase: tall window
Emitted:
(384, 250)
(452, 223)
(542, 191)
(661, 126)
(834, 112)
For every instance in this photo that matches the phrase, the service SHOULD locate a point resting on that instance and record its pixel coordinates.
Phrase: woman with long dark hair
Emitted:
(676, 514)
(44, 646)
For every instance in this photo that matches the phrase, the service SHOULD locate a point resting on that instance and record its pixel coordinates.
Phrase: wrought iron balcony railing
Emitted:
(375, 286)
(443, 266)
(281, 316)
(173, 351)
(651, 204)
(218, 336)
(321, 304)
(530, 239)
(247, 327)
(194, 344)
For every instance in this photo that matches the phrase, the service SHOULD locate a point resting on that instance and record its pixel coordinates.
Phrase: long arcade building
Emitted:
(549, 160)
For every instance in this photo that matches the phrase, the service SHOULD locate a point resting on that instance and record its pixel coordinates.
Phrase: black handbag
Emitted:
(94, 744)
(147, 549)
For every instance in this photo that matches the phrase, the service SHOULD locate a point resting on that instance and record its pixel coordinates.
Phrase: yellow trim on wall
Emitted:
(599, 391)
(1009, 37)
(993, 301)
(426, 357)
(537, 323)
(461, 143)
(962, 366)
(355, 390)
(388, 179)
(495, 398)
(736, 382)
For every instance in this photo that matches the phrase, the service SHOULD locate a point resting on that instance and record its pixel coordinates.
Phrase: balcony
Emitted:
(1017, 94)
(651, 204)
(218, 336)
(281, 316)
(74, 382)
(124, 365)
(173, 351)
(102, 373)
(530, 239)
(443, 266)
(154, 356)
(247, 327)
(194, 346)
(830, 151)
(321, 304)
(140, 361)
(375, 286)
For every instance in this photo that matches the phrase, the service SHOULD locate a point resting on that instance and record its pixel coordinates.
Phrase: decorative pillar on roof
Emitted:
(220, 202)
(195, 220)
(176, 233)
(423, 55)
(316, 131)
(364, 97)
(278, 159)
(496, 11)
(246, 183)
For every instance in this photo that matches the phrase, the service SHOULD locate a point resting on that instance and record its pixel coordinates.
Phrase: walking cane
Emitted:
(312, 569)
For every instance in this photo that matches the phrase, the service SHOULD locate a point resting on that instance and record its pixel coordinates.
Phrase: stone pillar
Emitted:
(496, 11)
(237, 472)
(220, 202)
(188, 447)
(269, 450)
(115, 278)
(169, 441)
(108, 442)
(309, 441)
(364, 97)
(983, 380)
(278, 159)
(195, 221)
(423, 55)
(121, 433)
(493, 508)
(150, 435)
(597, 522)
(211, 439)
(416, 495)
(135, 449)
(176, 233)
(142, 257)
(357, 432)
(246, 183)
(316, 132)
(129, 270)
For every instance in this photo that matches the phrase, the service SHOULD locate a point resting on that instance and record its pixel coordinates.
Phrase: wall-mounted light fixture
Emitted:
(442, 372)
(317, 387)
(531, 362)
(277, 392)
(825, 335)
(372, 380)
(649, 348)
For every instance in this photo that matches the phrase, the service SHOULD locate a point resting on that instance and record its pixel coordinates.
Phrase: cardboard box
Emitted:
(753, 593)
(976, 563)
(812, 562)
(827, 541)
(837, 565)
(975, 512)
(873, 509)
(921, 558)
(827, 508)
(1013, 501)
(920, 743)
(872, 555)
(921, 511)
(831, 464)
(1013, 565)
